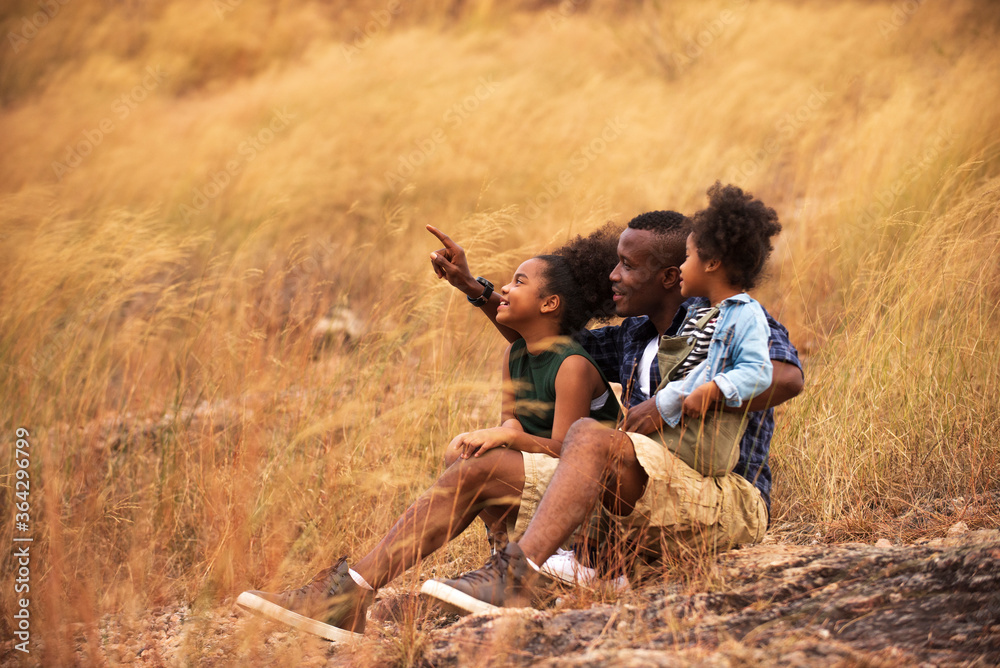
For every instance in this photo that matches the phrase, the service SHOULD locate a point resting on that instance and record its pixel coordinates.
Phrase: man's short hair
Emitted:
(671, 230)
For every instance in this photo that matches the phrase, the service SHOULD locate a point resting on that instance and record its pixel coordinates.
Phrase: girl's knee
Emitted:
(464, 473)
(451, 455)
(498, 465)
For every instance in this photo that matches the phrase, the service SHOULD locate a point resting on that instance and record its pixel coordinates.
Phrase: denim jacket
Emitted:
(738, 359)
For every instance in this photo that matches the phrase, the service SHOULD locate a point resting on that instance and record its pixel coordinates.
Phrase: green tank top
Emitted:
(534, 379)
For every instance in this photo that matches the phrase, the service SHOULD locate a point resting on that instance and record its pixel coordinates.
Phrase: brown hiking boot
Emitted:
(503, 582)
(332, 606)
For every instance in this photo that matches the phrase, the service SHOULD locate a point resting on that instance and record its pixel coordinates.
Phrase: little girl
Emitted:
(727, 248)
(549, 380)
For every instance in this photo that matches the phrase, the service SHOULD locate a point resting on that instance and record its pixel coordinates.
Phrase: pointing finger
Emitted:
(442, 237)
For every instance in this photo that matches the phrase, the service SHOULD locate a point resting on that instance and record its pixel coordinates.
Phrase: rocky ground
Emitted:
(934, 602)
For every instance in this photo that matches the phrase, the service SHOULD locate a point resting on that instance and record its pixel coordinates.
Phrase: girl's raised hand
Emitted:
(449, 262)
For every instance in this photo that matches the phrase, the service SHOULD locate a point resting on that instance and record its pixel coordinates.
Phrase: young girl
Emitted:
(727, 249)
(549, 380)
(552, 383)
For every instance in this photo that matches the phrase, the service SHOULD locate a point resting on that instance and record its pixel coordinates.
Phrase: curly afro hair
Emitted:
(735, 229)
(580, 273)
(671, 229)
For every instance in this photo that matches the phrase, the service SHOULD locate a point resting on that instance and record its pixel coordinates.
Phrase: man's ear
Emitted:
(550, 304)
(671, 278)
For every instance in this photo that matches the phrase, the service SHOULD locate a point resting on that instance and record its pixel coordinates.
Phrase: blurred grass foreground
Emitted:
(187, 188)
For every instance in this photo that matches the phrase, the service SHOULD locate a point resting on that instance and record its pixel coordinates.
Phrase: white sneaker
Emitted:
(563, 566)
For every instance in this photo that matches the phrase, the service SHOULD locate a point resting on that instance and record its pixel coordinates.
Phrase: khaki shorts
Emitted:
(538, 472)
(682, 510)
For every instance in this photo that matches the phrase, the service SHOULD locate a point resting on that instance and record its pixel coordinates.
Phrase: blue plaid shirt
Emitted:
(617, 350)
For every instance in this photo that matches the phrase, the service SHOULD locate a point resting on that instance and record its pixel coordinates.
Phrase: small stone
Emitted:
(883, 542)
(957, 529)
(824, 634)
(797, 659)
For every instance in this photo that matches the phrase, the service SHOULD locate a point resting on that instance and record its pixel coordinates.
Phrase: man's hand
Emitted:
(475, 443)
(698, 402)
(450, 263)
(644, 418)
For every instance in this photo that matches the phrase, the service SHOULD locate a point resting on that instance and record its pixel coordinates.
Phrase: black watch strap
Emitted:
(485, 297)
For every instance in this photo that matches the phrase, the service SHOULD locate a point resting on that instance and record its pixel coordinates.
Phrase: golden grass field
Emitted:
(187, 187)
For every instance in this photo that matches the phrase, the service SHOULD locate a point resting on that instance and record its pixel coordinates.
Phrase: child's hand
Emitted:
(698, 402)
(475, 443)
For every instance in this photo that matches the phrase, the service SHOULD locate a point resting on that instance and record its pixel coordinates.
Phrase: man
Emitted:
(597, 463)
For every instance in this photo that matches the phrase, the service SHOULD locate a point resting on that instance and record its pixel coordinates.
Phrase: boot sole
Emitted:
(455, 598)
(259, 606)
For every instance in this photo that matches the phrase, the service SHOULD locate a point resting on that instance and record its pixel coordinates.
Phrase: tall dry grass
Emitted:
(156, 316)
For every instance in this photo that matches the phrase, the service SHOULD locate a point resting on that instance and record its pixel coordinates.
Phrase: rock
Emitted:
(340, 327)
(882, 542)
(957, 529)
(851, 604)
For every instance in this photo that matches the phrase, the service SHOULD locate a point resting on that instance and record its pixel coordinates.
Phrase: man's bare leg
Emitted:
(463, 491)
(597, 463)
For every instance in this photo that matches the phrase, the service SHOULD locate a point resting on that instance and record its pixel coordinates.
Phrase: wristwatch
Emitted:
(485, 297)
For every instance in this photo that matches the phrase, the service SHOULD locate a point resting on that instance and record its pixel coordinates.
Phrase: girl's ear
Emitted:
(550, 304)
(713, 265)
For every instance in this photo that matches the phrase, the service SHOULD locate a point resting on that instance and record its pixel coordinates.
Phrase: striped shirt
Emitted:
(702, 338)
